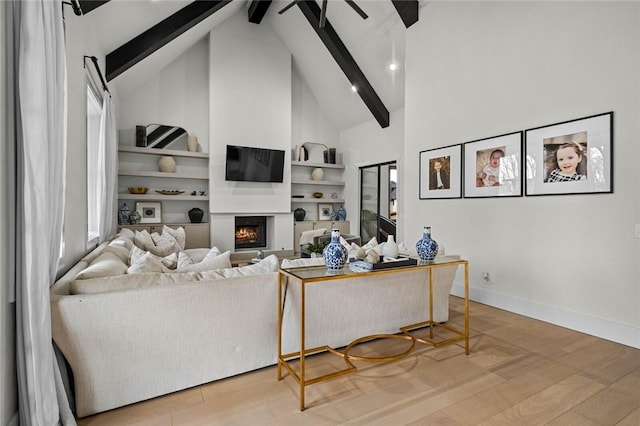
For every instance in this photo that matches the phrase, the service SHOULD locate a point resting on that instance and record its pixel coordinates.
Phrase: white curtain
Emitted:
(107, 185)
(40, 143)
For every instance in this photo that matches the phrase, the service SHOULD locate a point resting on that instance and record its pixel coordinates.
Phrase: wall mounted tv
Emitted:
(254, 164)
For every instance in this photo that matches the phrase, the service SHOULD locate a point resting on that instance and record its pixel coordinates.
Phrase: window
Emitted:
(95, 164)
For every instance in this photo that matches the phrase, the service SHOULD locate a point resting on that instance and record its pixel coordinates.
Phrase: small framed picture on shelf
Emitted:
(324, 211)
(492, 166)
(440, 173)
(572, 157)
(149, 211)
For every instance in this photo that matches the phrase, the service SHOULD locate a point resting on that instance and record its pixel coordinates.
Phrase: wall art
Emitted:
(441, 173)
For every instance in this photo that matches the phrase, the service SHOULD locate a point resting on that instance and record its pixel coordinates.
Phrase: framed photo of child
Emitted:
(572, 157)
(441, 173)
(492, 166)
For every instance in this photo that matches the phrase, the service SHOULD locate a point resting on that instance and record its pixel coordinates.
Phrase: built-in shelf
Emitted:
(149, 173)
(321, 165)
(317, 200)
(156, 196)
(317, 182)
(157, 151)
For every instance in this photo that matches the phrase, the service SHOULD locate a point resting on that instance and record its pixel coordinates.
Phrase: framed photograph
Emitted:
(572, 157)
(324, 211)
(441, 173)
(492, 166)
(149, 211)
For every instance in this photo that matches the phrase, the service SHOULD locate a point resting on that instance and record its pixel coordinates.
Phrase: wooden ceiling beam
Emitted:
(135, 50)
(408, 11)
(88, 5)
(345, 61)
(257, 10)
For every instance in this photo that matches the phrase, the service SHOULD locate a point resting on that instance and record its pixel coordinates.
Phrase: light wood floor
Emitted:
(520, 371)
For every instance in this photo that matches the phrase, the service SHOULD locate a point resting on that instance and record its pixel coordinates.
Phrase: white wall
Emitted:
(8, 385)
(482, 69)
(250, 105)
(176, 95)
(368, 144)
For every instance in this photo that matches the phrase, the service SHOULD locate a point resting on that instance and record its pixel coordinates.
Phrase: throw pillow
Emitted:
(105, 265)
(197, 254)
(212, 261)
(265, 266)
(178, 233)
(164, 244)
(119, 248)
(147, 263)
(169, 261)
(143, 239)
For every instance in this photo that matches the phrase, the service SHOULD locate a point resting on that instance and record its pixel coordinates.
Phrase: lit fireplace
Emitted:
(251, 232)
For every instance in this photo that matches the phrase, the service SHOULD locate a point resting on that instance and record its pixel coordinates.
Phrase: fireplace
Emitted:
(250, 232)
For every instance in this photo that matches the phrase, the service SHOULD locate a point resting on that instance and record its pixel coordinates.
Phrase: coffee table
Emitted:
(316, 275)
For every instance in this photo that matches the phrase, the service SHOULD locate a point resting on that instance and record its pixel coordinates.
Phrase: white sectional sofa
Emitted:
(132, 337)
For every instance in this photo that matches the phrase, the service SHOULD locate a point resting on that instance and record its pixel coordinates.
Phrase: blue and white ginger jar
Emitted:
(334, 253)
(123, 215)
(426, 247)
(342, 213)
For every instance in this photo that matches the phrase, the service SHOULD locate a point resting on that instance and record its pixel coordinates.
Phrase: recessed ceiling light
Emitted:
(354, 88)
(393, 66)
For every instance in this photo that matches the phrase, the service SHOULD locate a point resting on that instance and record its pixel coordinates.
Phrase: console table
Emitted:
(316, 275)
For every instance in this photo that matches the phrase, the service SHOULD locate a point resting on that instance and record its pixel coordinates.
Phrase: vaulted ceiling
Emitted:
(347, 50)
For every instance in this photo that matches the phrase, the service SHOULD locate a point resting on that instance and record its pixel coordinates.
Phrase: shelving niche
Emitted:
(138, 167)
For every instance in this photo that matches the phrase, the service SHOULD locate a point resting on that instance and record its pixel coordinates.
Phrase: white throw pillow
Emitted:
(127, 233)
(294, 263)
(143, 240)
(170, 261)
(119, 248)
(197, 254)
(178, 233)
(165, 244)
(265, 266)
(210, 262)
(147, 263)
(105, 265)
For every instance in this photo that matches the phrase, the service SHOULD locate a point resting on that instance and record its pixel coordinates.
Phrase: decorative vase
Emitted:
(192, 143)
(134, 217)
(342, 213)
(317, 173)
(123, 215)
(299, 214)
(390, 248)
(334, 253)
(195, 215)
(426, 247)
(167, 164)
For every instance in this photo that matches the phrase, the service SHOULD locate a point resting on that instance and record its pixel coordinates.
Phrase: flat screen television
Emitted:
(248, 164)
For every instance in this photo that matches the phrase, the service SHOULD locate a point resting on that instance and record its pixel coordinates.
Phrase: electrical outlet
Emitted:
(486, 278)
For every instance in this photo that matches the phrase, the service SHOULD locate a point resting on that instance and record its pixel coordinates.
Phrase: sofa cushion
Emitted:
(120, 247)
(105, 265)
(213, 260)
(265, 266)
(129, 282)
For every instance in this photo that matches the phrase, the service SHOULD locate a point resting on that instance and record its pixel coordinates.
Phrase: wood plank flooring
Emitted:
(520, 371)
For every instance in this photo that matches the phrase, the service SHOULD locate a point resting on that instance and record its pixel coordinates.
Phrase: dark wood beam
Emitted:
(132, 52)
(88, 5)
(408, 11)
(257, 10)
(345, 61)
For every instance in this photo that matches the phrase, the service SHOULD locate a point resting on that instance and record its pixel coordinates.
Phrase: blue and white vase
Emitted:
(334, 253)
(342, 213)
(123, 215)
(426, 247)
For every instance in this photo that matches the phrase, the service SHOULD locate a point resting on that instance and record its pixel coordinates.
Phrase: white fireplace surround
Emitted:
(279, 231)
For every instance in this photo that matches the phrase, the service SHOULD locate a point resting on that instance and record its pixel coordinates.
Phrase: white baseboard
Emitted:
(619, 333)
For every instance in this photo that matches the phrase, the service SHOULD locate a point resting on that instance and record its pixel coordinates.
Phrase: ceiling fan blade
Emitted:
(355, 7)
(289, 6)
(323, 14)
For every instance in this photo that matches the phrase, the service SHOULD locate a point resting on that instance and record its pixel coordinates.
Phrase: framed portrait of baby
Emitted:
(493, 166)
(572, 157)
(441, 173)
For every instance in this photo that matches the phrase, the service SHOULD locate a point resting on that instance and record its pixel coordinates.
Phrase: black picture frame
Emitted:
(585, 145)
(449, 185)
(493, 166)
